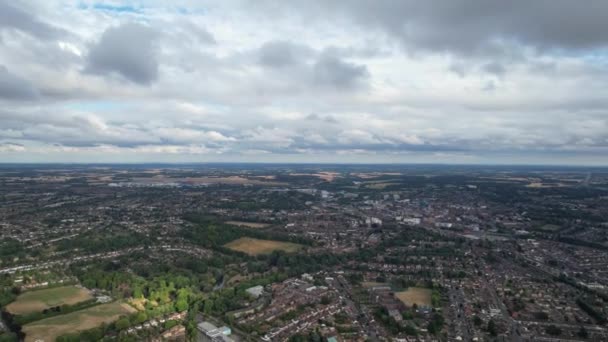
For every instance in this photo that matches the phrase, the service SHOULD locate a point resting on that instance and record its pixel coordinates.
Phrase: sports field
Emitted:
(415, 295)
(50, 328)
(248, 224)
(253, 246)
(36, 301)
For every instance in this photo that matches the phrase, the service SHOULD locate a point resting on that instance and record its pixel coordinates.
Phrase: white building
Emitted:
(412, 220)
(255, 291)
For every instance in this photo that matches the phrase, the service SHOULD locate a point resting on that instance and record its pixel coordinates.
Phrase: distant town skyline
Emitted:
(458, 82)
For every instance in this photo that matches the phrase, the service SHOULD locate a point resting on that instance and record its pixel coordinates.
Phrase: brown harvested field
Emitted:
(230, 180)
(415, 295)
(545, 185)
(50, 328)
(253, 246)
(326, 176)
(38, 300)
(248, 224)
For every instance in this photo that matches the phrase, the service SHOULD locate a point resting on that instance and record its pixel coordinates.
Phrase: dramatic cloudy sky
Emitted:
(459, 81)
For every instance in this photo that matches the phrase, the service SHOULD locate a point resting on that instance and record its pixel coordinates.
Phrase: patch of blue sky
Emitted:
(130, 8)
(183, 10)
(597, 57)
(109, 7)
(117, 8)
(590, 55)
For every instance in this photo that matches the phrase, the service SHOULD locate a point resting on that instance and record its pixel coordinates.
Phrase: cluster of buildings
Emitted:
(515, 256)
(210, 333)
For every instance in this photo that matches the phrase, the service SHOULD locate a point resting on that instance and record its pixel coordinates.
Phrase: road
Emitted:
(462, 326)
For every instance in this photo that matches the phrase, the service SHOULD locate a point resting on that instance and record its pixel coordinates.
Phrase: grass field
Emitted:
(35, 301)
(49, 329)
(370, 284)
(253, 246)
(550, 228)
(415, 295)
(248, 224)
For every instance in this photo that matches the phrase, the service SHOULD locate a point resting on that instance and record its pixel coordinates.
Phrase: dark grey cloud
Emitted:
(494, 68)
(317, 117)
(14, 17)
(12, 87)
(278, 54)
(333, 72)
(130, 50)
(305, 68)
(468, 27)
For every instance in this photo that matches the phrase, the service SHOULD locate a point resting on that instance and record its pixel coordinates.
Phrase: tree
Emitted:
(436, 324)
(411, 330)
(122, 323)
(190, 322)
(137, 292)
(141, 317)
(191, 331)
(582, 333)
(181, 305)
(553, 330)
(436, 298)
(8, 337)
(492, 328)
(170, 324)
(208, 307)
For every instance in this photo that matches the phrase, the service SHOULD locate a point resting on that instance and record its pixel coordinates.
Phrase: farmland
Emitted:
(415, 295)
(50, 328)
(228, 180)
(35, 301)
(253, 246)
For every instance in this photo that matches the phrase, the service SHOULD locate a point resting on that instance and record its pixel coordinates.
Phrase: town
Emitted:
(254, 252)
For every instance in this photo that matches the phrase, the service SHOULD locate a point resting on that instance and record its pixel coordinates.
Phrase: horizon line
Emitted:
(306, 163)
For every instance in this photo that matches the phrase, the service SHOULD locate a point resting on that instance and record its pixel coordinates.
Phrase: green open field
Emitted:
(550, 228)
(50, 328)
(36, 301)
(370, 284)
(415, 295)
(248, 224)
(253, 246)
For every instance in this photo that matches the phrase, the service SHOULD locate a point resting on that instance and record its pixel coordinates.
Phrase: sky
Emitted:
(312, 81)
